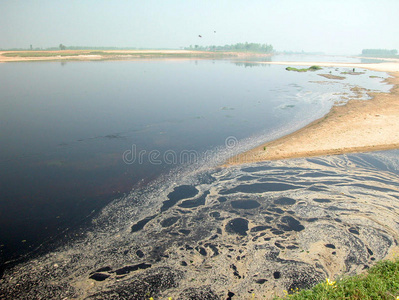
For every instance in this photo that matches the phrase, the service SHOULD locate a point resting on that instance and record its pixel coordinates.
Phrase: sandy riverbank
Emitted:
(359, 126)
(92, 55)
(96, 55)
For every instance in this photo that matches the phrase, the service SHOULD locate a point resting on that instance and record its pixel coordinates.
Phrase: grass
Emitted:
(312, 68)
(380, 282)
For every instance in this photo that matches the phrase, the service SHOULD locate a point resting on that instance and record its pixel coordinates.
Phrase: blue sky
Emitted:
(342, 27)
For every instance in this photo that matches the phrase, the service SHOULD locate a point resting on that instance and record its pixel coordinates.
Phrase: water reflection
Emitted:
(250, 64)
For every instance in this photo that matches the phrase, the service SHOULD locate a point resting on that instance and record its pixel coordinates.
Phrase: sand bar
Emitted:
(95, 55)
(358, 126)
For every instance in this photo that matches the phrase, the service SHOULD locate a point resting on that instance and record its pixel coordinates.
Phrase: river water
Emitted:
(77, 136)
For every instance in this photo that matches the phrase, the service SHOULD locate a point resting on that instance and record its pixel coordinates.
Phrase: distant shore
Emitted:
(98, 55)
(358, 126)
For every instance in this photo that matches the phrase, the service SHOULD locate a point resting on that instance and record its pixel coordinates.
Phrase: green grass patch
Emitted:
(296, 70)
(312, 68)
(380, 282)
(315, 68)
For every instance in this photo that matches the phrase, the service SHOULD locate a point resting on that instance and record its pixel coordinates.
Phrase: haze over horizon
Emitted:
(335, 27)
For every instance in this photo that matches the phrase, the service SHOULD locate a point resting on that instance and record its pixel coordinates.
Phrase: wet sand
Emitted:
(358, 126)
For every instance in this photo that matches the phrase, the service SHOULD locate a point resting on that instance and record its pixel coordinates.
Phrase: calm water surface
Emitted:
(74, 136)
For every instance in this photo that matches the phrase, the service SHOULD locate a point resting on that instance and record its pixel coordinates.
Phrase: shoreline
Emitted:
(351, 128)
(390, 67)
(358, 126)
(107, 55)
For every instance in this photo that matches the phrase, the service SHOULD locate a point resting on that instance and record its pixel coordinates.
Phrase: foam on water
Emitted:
(307, 219)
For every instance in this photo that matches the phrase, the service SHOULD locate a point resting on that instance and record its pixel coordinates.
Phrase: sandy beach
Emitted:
(358, 126)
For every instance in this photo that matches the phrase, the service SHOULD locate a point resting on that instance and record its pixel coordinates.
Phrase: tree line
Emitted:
(239, 47)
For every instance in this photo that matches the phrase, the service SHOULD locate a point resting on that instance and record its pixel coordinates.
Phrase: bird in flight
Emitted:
(200, 36)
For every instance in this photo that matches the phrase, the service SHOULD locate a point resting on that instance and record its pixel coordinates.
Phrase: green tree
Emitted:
(379, 52)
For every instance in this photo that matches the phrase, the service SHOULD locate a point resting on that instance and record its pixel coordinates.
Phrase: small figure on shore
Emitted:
(353, 70)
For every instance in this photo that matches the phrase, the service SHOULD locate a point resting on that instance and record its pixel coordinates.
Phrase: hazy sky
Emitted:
(336, 26)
